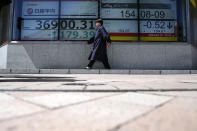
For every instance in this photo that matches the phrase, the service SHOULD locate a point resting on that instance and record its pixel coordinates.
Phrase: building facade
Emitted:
(53, 34)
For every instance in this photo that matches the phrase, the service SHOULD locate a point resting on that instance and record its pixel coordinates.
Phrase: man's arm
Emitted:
(91, 40)
(107, 38)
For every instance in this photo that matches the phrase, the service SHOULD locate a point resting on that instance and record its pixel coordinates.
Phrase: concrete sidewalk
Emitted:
(92, 102)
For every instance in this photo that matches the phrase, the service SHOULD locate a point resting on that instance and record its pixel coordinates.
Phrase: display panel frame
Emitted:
(113, 40)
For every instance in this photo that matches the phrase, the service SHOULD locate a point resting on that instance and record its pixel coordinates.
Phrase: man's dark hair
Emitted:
(99, 21)
(4, 2)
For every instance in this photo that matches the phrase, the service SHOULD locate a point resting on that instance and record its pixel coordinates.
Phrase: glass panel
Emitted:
(120, 19)
(119, 9)
(36, 21)
(78, 19)
(79, 9)
(158, 20)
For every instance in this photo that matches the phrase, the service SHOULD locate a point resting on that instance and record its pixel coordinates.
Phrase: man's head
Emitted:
(99, 22)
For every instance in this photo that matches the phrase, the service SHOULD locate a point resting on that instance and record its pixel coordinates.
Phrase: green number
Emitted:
(68, 34)
(75, 34)
(54, 34)
(62, 35)
(85, 34)
(91, 33)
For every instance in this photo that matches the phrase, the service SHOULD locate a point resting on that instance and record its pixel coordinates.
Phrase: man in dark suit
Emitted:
(101, 41)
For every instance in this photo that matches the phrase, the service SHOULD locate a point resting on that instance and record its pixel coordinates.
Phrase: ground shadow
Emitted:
(25, 78)
(84, 84)
(97, 90)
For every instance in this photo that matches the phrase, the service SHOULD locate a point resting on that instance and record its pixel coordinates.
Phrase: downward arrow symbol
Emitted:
(169, 25)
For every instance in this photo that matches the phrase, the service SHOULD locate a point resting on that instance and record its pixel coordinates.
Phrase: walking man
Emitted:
(101, 41)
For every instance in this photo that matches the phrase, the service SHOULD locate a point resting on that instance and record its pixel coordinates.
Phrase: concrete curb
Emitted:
(94, 71)
(54, 71)
(155, 72)
(175, 71)
(102, 71)
(5, 71)
(193, 72)
(84, 71)
(24, 71)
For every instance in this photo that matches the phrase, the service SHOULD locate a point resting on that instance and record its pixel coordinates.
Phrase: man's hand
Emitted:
(108, 44)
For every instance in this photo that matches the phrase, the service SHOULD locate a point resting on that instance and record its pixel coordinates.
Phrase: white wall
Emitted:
(121, 55)
(3, 57)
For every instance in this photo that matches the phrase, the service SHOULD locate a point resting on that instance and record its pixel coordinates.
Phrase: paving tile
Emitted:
(178, 115)
(23, 94)
(15, 85)
(99, 86)
(55, 86)
(62, 99)
(146, 99)
(167, 84)
(5, 97)
(192, 94)
(8, 87)
(98, 115)
(11, 108)
(130, 86)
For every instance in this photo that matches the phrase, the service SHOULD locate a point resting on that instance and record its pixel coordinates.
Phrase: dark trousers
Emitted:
(105, 63)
